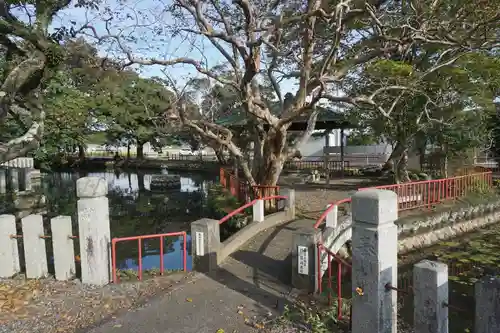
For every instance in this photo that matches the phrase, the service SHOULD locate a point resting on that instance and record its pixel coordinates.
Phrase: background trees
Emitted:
(395, 50)
(406, 71)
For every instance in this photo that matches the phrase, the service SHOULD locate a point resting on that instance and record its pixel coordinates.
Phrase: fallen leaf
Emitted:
(189, 300)
(220, 330)
(240, 312)
(117, 326)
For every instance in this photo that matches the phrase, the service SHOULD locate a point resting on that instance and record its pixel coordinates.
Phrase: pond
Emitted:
(134, 210)
(469, 258)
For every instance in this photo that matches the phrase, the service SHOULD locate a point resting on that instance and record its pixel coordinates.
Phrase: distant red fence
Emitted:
(139, 240)
(425, 193)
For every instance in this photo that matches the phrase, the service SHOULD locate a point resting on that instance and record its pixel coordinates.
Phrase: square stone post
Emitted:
(205, 244)
(94, 230)
(27, 180)
(374, 261)
(487, 294)
(258, 211)
(35, 253)
(3, 181)
(430, 289)
(332, 216)
(304, 259)
(290, 201)
(14, 180)
(63, 247)
(9, 253)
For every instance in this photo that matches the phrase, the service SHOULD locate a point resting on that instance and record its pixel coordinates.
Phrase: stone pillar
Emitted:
(35, 253)
(331, 216)
(258, 211)
(205, 244)
(374, 261)
(487, 294)
(94, 230)
(27, 180)
(63, 247)
(9, 253)
(3, 181)
(290, 201)
(14, 180)
(304, 259)
(430, 290)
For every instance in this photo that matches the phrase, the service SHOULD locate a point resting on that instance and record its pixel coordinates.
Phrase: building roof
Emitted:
(327, 119)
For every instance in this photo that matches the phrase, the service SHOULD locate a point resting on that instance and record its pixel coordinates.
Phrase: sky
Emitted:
(149, 24)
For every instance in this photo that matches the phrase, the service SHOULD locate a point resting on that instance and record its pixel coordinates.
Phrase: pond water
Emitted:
(134, 210)
(469, 258)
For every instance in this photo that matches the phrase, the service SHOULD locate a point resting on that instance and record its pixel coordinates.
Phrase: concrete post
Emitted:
(487, 294)
(258, 211)
(205, 241)
(304, 258)
(430, 289)
(374, 261)
(14, 180)
(63, 247)
(27, 180)
(9, 253)
(3, 181)
(35, 253)
(94, 230)
(290, 201)
(331, 216)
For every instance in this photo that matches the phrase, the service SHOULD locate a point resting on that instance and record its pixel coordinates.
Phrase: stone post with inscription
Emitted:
(304, 251)
(205, 240)
(94, 230)
(374, 261)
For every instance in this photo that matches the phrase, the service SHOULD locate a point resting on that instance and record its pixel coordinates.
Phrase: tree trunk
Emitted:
(140, 150)
(128, 151)
(402, 168)
(81, 152)
(395, 157)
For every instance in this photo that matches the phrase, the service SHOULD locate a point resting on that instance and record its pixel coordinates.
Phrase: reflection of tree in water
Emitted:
(149, 213)
(132, 213)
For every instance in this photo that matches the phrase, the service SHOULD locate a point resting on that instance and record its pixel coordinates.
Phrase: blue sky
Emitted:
(148, 43)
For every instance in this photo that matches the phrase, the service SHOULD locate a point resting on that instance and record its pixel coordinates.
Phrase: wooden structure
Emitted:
(327, 120)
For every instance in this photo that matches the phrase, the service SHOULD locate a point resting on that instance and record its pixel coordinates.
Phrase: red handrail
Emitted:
(328, 210)
(139, 243)
(249, 204)
(340, 262)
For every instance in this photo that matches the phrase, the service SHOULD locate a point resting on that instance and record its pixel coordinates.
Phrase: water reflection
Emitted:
(134, 210)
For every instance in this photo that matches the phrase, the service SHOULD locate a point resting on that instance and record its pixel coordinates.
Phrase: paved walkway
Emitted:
(250, 287)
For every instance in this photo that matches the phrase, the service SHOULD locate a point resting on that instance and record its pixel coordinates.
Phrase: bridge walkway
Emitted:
(251, 287)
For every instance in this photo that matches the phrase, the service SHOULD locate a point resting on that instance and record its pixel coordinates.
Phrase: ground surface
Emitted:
(47, 306)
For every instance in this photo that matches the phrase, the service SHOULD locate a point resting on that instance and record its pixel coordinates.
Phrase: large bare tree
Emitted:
(317, 44)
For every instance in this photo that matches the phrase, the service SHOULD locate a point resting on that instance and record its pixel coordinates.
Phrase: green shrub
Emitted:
(221, 202)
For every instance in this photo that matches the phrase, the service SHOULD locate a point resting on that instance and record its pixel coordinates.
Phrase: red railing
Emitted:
(234, 185)
(425, 193)
(342, 266)
(250, 204)
(323, 216)
(139, 240)
(410, 196)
